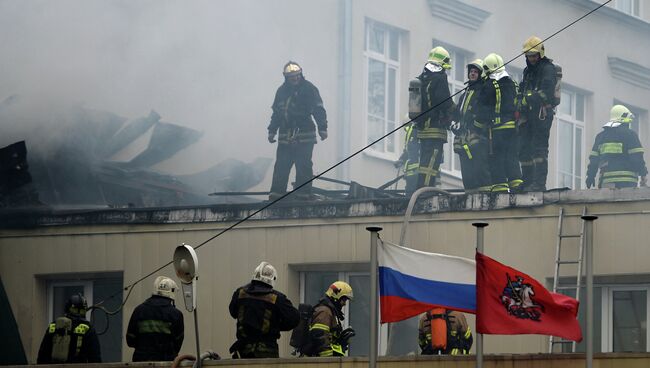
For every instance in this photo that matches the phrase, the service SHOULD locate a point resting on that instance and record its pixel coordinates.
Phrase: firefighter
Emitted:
(618, 154)
(497, 114)
(536, 105)
(156, 328)
(435, 119)
(409, 159)
(70, 338)
(443, 331)
(296, 101)
(470, 138)
(261, 313)
(328, 338)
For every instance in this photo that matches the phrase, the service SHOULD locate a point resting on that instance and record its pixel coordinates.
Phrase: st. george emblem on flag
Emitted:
(412, 282)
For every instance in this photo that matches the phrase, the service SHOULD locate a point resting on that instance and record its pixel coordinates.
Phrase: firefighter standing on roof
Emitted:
(409, 159)
(443, 331)
(156, 328)
(618, 154)
(436, 108)
(261, 313)
(328, 338)
(70, 338)
(536, 106)
(296, 101)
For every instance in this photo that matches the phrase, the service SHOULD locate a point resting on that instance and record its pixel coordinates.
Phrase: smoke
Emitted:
(212, 66)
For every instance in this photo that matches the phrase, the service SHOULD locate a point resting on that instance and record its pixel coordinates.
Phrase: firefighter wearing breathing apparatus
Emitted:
(470, 137)
(70, 338)
(296, 101)
(261, 313)
(617, 153)
(497, 115)
(443, 331)
(539, 94)
(156, 328)
(410, 158)
(328, 338)
(433, 113)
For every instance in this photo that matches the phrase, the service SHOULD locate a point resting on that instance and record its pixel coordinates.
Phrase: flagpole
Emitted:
(480, 225)
(589, 258)
(374, 320)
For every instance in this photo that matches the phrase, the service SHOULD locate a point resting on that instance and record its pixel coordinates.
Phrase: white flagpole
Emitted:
(374, 295)
(480, 225)
(589, 257)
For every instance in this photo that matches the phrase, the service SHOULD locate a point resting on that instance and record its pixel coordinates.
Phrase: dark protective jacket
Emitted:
(261, 314)
(325, 330)
(538, 86)
(467, 108)
(83, 343)
(459, 334)
(617, 152)
(435, 121)
(496, 107)
(156, 330)
(293, 108)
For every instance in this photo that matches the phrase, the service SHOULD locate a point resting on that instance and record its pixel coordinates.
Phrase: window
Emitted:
(107, 288)
(570, 139)
(456, 77)
(629, 7)
(382, 53)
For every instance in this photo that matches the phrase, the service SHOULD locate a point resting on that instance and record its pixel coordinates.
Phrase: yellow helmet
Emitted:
(338, 290)
(534, 45)
(476, 63)
(493, 63)
(438, 55)
(291, 69)
(621, 114)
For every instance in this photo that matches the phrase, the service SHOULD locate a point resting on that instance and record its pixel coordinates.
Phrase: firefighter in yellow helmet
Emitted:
(156, 328)
(328, 338)
(497, 115)
(536, 104)
(296, 101)
(444, 331)
(437, 108)
(618, 153)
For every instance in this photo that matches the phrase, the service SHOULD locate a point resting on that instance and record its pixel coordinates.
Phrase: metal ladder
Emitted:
(553, 340)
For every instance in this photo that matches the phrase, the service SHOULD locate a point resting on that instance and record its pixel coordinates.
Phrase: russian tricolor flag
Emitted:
(412, 282)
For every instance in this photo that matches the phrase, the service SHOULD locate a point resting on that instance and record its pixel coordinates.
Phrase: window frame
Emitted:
(390, 64)
(634, 5)
(575, 123)
(88, 294)
(607, 300)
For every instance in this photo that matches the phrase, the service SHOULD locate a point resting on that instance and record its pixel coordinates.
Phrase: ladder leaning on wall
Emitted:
(559, 262)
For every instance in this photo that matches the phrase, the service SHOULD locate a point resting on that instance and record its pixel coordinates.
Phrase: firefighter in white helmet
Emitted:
(156, 328)
(261, 313)
(618, 153)
(328, 338)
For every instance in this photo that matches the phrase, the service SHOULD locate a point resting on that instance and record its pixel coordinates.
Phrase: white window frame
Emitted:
(383, 153)
(618, 5)
(88, 294)
(607, 302)
(572, 119)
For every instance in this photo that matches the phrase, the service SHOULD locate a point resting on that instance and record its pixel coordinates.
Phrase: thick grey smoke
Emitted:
(208, 65)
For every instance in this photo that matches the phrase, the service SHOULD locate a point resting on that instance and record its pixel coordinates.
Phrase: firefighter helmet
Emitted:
(533, 45)
(621, 114)
(291, 69)
(76, 305)
(165, 287)
(338, 290)
(265, 273)
(478, 64)
(493, 63)
(438, 55)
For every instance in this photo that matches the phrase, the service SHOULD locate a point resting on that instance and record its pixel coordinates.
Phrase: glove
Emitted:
(346, 335)
(322, 134)
(591, 182)
(398, 163)
(271, 137)
(643, 182)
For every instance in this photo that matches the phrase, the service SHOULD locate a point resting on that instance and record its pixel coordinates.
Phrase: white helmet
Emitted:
(164, 286)
(265, 273)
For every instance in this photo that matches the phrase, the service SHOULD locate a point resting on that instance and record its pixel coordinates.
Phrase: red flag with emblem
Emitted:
(509, 302)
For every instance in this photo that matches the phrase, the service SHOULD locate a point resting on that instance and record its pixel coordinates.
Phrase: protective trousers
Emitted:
(474, 164)
(287, 155)
(533, 150)
(431, 155)
(504, 165)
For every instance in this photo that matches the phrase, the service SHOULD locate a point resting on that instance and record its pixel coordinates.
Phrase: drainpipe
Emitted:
(344, 127)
